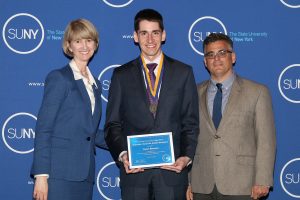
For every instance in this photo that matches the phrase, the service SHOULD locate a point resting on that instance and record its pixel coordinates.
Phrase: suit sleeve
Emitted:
(190, 117)
(265, 139)
(113, 125)
(54, 94)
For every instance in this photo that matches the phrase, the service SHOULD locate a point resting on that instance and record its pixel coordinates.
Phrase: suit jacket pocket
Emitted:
(246, 160)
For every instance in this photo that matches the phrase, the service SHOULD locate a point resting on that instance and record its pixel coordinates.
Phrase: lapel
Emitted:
(81, 88)
(203, 104)
(86, 102)
(233, 100)
(84, 95)
(98, 108)
(139, 82)
(167, 82)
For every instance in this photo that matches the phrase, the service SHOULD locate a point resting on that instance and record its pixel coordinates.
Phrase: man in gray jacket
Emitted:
(235, 155)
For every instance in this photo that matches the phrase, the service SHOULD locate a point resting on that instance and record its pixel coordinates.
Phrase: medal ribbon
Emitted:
(153, 91)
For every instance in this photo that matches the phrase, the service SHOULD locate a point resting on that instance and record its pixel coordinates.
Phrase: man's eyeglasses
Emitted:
(221, 54)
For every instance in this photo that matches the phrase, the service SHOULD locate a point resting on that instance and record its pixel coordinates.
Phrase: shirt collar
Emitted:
(225, 84)
(78, 75)
(156, 60)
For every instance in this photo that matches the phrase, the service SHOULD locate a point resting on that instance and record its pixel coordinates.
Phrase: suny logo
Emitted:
(290, 178)
(23, 33)
(18, 132)
(117, 3)
(291, 3)
(201, 28)
(289, 83)
(104, 78)
(108, 182)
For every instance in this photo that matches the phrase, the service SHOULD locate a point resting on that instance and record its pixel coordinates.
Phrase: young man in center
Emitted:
(152, 94)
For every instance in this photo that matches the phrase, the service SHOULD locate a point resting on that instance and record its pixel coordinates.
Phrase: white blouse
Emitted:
(87, 82)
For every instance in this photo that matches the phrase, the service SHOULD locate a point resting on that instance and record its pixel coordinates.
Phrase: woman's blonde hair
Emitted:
(79, 29)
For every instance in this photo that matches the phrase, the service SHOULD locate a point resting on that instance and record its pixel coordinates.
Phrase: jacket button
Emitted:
(216, 137)
(88, 138)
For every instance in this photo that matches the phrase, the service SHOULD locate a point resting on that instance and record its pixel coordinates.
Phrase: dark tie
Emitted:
(151, 67)
(217, 109)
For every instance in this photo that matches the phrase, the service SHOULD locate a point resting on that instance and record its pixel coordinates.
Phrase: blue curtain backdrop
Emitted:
(266, 40)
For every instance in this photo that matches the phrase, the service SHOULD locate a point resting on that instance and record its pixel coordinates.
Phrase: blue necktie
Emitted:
(217, 109)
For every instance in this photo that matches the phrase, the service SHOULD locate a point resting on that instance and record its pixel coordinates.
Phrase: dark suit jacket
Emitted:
(66, 130)
(128, 113)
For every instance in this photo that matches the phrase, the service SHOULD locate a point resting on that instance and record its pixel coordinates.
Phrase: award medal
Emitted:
(153, 91)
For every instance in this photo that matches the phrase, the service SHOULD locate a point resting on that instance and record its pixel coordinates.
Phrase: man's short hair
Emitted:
(149, 15)
(214, 37)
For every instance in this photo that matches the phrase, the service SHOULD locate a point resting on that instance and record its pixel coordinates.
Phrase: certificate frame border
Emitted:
(151, 135)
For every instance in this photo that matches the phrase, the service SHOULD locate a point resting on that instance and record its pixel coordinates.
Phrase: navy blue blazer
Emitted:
(128, 113)
(66, 131)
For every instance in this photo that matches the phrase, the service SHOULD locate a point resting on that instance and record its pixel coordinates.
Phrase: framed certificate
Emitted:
(150, 150)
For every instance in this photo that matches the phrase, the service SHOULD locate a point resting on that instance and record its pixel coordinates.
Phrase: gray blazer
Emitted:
(241, 152)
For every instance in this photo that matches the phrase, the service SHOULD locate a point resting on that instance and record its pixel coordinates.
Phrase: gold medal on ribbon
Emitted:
(153, 90)
(153, 108)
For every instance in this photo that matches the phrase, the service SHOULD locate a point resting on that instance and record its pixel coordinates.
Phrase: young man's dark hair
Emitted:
(132, 105)
(149, 15)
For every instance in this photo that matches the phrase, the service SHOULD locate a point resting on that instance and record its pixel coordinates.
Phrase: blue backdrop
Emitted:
(267, 43)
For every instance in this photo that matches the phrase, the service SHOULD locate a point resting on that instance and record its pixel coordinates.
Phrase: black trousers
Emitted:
(156, 189)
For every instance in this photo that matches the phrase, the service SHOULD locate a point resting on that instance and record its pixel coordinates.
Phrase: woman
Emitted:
(67, 125)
